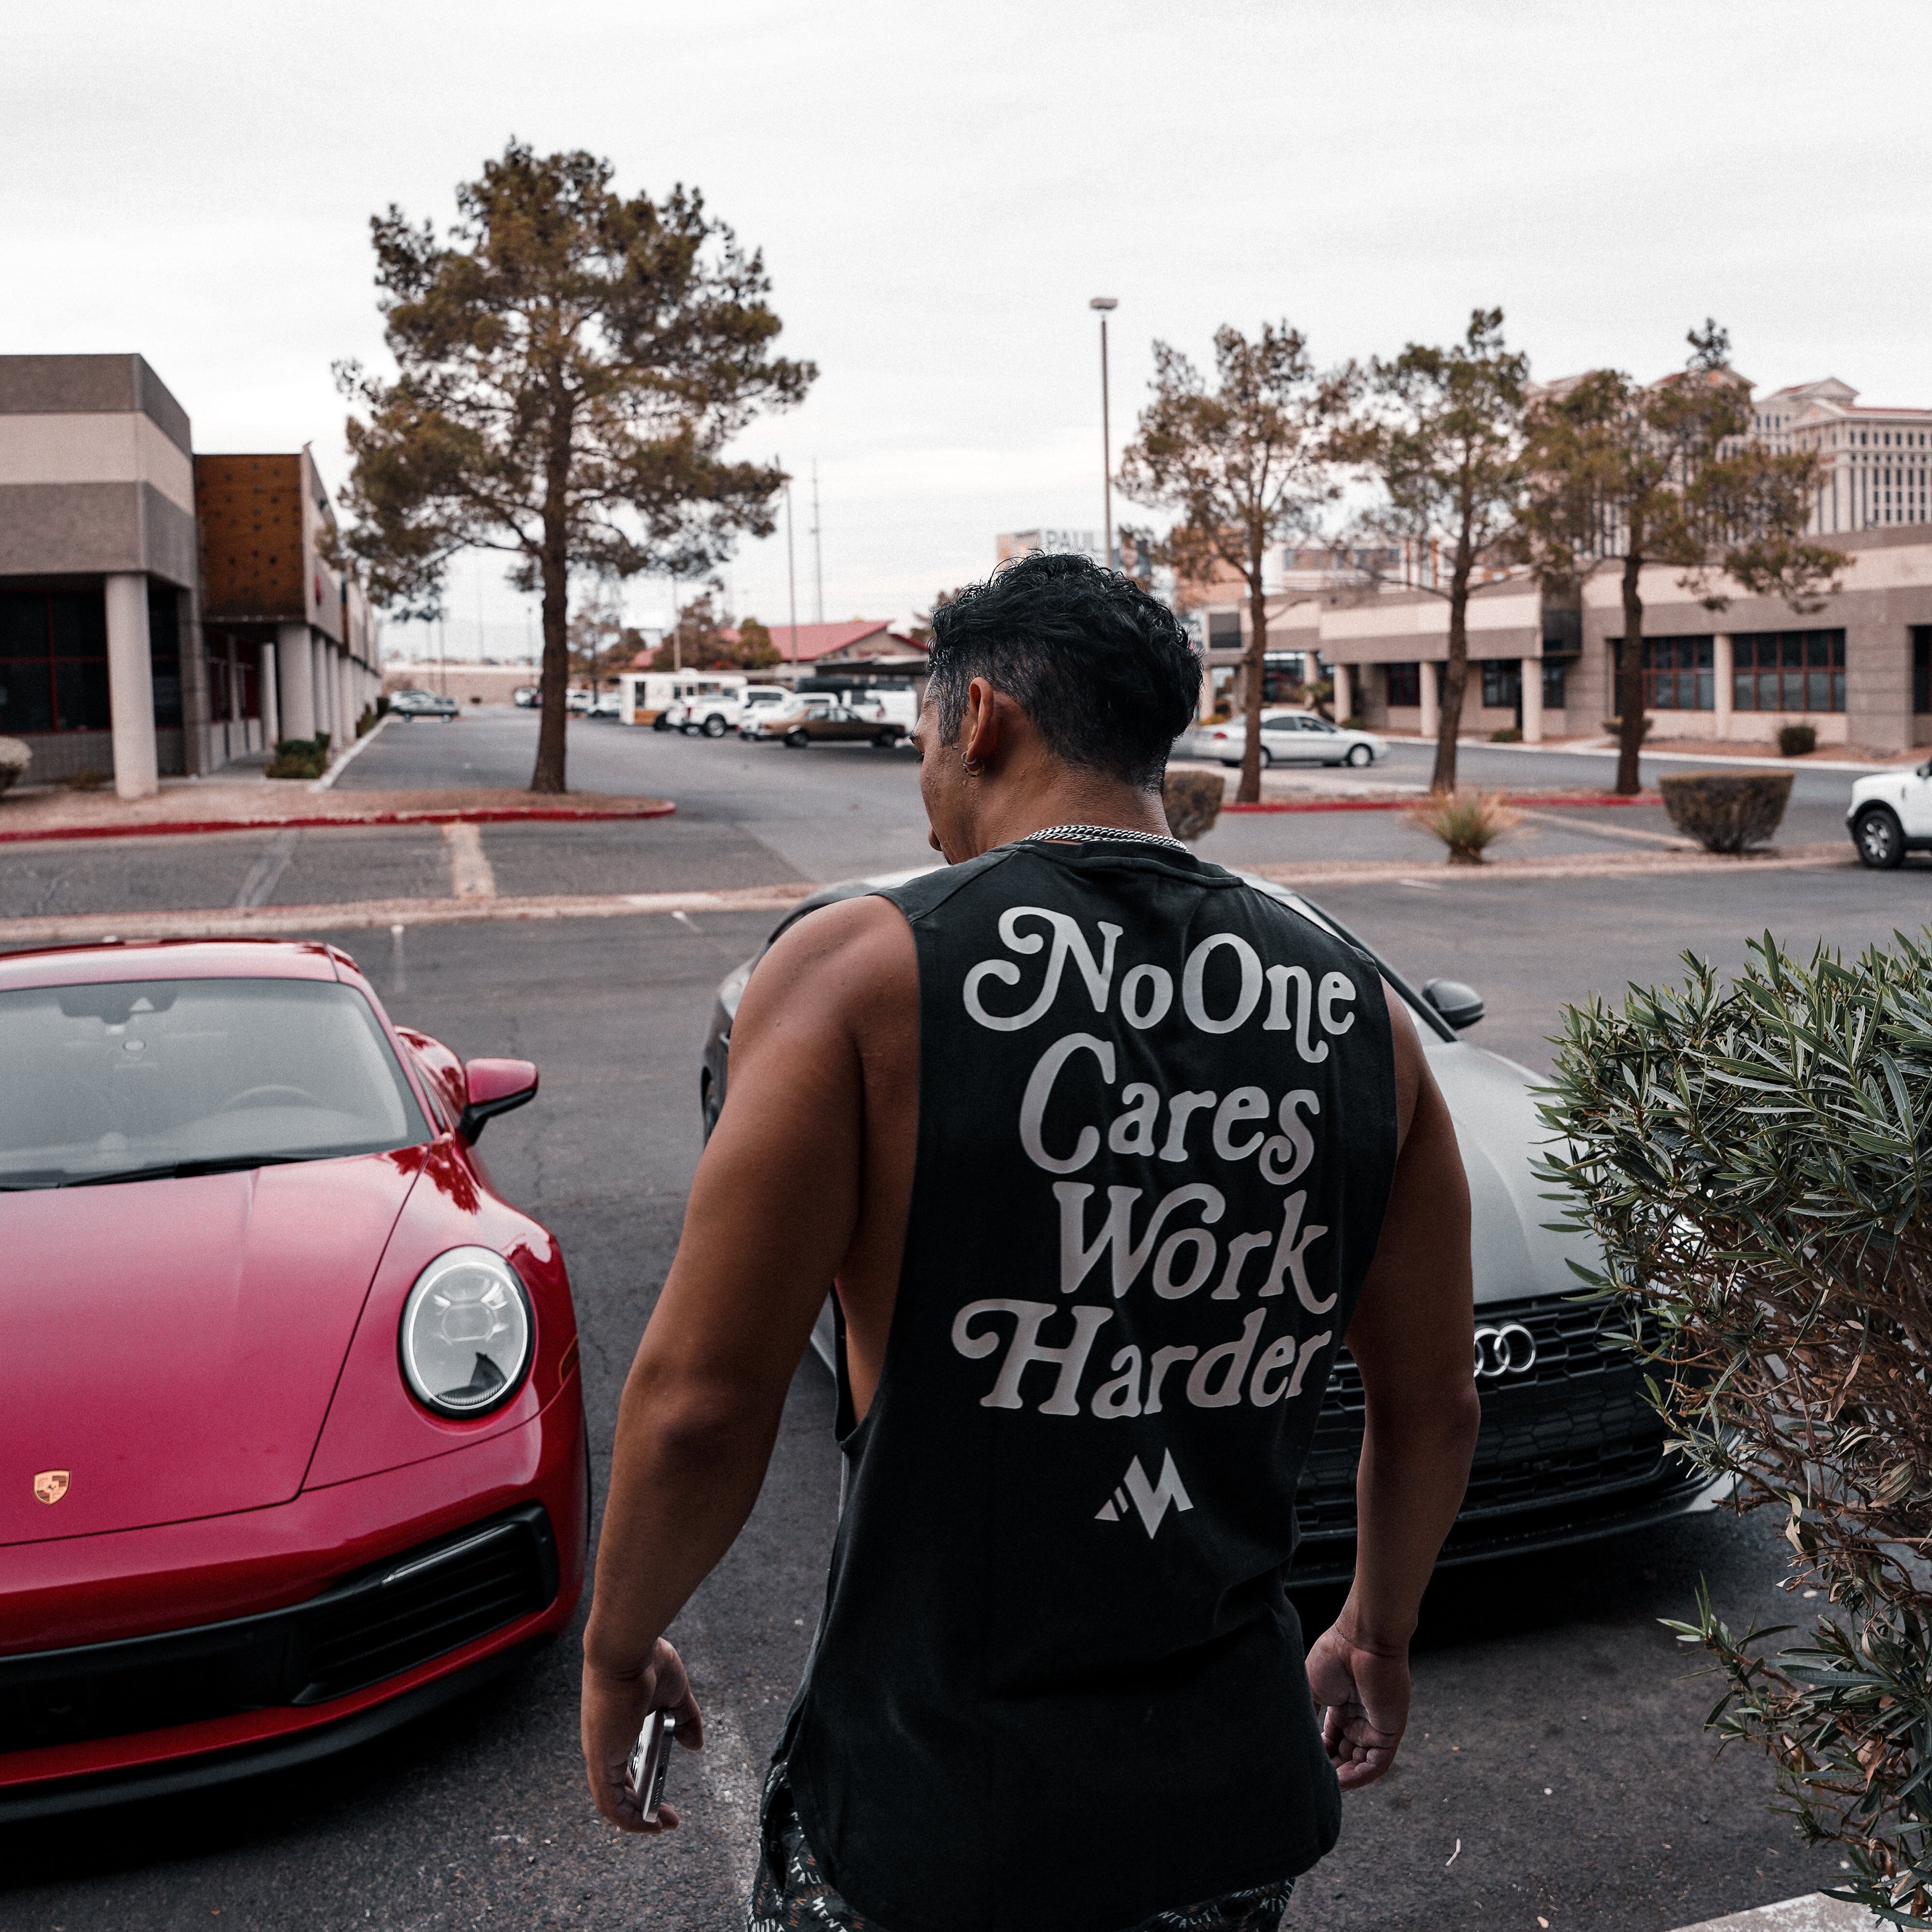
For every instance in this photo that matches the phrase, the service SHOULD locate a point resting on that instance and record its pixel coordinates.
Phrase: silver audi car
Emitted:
(1570, 1449)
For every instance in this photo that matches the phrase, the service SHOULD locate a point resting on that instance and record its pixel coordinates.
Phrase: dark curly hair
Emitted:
(1105, 671)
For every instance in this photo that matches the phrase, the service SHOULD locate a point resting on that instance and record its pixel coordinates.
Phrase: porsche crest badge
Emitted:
(50, 1485)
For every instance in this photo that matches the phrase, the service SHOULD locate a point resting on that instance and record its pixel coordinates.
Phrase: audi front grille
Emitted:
(1568, 1440)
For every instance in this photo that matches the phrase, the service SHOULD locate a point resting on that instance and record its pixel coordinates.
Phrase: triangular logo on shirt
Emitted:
(1150, 1499)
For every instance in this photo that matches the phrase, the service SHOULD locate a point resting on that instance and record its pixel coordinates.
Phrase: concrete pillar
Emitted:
(131, 686)
(326, 719)
(1344, 705)
(265, 698)
(1531, 671)
(1430, 694)
(1723, 685)
(295, 680)
(345, 683)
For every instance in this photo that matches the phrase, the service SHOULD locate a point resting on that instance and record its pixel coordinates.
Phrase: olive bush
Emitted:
(1755, 1159)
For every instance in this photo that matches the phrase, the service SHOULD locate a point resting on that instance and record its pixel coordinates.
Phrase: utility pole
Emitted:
(791, 584)
(1105, 304)
(817, 554)
(676, 631)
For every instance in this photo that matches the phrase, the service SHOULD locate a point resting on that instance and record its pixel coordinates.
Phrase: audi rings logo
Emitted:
(1509, 1350)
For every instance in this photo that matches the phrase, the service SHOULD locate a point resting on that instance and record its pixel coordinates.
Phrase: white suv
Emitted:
(1890, 815)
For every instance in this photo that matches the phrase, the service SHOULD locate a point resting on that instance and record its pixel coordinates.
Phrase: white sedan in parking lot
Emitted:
(1288, 737)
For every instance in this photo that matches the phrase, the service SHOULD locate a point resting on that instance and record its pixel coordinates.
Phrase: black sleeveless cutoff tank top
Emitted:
(1057, 1684)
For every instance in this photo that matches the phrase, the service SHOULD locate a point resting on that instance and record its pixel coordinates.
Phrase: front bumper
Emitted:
(290, 1632)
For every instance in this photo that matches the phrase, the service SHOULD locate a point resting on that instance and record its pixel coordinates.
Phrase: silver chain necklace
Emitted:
(1120, 832)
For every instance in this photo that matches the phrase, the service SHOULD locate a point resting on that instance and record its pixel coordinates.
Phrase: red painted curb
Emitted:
(174, 827)
(1590, 799)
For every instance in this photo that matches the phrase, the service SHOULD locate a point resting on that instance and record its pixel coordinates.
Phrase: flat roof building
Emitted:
(155, 605)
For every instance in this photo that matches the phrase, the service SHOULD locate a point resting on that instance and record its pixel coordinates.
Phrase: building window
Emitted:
(1284, 675)
(1404, 683)
(1788, 671)
(1679, 674)
(233, 679)
(1556, 683)
(1224, 630)
(53, 660)
(164, 653)
(1502, 684)
(1921, 668)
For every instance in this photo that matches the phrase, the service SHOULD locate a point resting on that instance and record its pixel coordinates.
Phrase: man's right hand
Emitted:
(614, 1708)
(1362, 1695)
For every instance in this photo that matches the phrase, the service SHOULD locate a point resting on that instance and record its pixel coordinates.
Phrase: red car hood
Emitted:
(172, 1345)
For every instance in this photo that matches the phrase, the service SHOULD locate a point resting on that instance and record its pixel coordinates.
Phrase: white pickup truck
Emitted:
(1890, 815)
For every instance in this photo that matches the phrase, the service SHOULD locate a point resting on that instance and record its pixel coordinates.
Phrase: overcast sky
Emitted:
(938, 191)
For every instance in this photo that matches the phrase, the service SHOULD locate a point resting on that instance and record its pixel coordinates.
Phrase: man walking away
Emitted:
(1106, 1153)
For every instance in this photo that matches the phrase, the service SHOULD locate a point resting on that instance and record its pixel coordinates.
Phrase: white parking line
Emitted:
(470, 875)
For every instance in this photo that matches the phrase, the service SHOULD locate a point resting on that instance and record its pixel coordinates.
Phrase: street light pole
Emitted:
(1105, 304)
(791, 584)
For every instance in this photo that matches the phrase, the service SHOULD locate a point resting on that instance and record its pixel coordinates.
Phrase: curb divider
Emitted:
(1590, 800)
(171, 828)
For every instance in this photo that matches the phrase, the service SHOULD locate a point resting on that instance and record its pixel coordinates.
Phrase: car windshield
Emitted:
(145, 1078)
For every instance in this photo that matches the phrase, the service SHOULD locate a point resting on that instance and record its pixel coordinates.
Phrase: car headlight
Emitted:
(466, 1333)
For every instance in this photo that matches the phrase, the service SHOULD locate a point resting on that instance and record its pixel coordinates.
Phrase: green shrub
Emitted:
(1354, 722)
(1510, 734)
(1725, 812)
(300, 757)
(367, 722)
(1468, 822)
(1754, 1158)
(1794, 740)
(1192, 801)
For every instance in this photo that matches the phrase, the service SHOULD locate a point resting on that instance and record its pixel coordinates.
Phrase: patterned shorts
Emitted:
(790, 1895)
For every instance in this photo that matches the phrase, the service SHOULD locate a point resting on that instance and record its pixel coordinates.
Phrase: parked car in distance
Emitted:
(578, 702)
(605, 704)
(1890, 815)
(1571, 1448)
(1288, 737)
(890, 704)
(294, 1428)
(837, 723)
(772, 721)
(527, 696)
(413, 704)
(761, 700)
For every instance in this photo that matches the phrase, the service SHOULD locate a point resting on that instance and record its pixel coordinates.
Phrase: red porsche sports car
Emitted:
(291, 1438)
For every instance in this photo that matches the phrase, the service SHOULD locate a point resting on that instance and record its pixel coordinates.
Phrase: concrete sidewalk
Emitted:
(187, 805)
(1814, 1912)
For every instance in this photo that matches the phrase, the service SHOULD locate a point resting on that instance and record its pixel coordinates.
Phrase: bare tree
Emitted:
(1244, 466)
(572, 367)
(1667, 474)
(1442, 432)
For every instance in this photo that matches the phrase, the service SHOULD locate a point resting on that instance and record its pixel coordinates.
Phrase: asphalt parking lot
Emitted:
(1557, 1769)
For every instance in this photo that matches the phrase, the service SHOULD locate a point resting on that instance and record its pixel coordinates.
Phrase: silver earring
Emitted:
(972, 767)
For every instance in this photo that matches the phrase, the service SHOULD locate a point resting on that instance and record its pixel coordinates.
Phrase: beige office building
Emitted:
(161, 613)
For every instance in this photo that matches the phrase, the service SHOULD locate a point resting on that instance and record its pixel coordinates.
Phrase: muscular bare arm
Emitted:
(775, 1208)
(1411, 1338)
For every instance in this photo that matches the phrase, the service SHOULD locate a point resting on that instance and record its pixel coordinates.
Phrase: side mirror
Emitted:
(1925, 771)
(1461, 1006)
(493, 1087)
